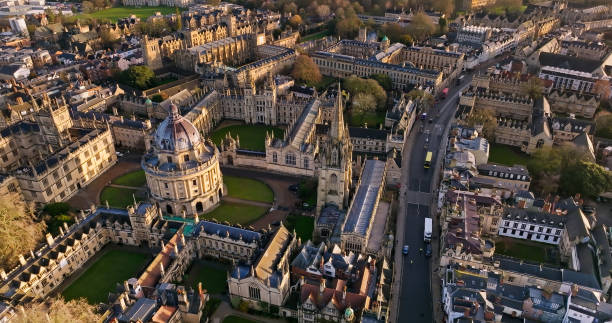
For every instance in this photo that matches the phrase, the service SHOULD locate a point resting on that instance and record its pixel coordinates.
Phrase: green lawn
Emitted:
(373, 119)
(236, 319)
(135, 179)
(303, 225)
(119, 197)
(113, 267)
(214, 280)
(313, 36)
(116, 13)
(235, 213)
(507, 155)
(252, 137)
(248, 189)
(527, 251)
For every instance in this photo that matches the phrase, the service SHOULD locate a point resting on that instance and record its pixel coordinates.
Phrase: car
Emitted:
(405, 249)
(430, 120)
(428, 250)
(294, 187)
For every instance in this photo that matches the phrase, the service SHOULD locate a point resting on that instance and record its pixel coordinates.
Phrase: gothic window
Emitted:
(274, 158)
(254, 292)
(333, 179)
(335, 156)
(290, 159)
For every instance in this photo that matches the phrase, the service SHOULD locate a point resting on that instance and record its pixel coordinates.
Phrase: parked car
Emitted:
(405, 249)
(428, 250)
(294, 187)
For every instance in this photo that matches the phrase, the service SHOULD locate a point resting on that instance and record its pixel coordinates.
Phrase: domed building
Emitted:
(181, 168)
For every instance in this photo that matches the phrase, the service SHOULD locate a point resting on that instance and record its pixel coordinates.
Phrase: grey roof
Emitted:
(530, 216)
(515, 172)
(363, 207)
(569, 62)
(141, 311)
(223, 230)
(577, 125)
(578, 278)
(360, 132)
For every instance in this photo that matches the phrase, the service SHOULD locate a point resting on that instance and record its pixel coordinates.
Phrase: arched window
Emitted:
(335, 156)
(333, 179)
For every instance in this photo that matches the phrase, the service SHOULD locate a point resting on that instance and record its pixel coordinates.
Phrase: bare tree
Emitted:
(57, 310)
(20, 231)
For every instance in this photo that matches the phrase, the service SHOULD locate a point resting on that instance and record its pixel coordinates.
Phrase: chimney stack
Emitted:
(49, 238)
(322, 286)
(161, 269)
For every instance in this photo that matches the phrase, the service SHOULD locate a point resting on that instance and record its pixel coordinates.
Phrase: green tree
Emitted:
(363, 103)
(547, 164)
(20, 231)
(87, 6)
(138, 76)
(533, 87)
(586, 178)
(486, 119)
(444, 6)
(421, 26)
(57, 310)
(603, 125)
(356, 85)
(306, 70)
(384, 80)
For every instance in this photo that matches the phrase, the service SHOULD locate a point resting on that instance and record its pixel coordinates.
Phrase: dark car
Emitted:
(294, 187)
(428, 250)
(430, 120)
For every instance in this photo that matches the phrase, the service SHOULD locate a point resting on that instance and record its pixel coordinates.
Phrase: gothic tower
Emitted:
(151, 53)
(53, 118)
(335, 158)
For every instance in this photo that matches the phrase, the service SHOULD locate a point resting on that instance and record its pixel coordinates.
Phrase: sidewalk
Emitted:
(225, 310)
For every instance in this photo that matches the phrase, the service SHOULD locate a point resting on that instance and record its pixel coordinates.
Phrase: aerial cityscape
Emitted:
(253, 161)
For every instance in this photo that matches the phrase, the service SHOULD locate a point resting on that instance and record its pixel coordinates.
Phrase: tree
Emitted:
(364, 103)
(602, 87)
(384, 80)
(547, 164)
(444, 6)
(295, 21)
(108, 38)
(138, 76)
(291, 8)
(603, 125)
(87, 6)
(51, 16)
(100, 4)
(397, 34)
(179, 20)
(533, 87)
(586, 178)
(323, 11)
(306, 70)
(356, 85)
(20, 232)
(57, 310)
(421, 26)
(486, 119)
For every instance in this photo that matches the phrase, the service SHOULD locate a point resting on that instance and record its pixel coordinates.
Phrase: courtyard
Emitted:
(111, 268)
(235, 213)
(303, 225)
(134, 179)
(248, 189)
(252, 137)
(507, 155)
(212, 275)
(372, 118)
(120, 197)
(528, 250)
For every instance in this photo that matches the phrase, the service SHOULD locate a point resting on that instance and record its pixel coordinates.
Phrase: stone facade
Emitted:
(182, 170)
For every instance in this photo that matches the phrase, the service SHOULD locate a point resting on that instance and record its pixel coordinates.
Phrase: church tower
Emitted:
(151, 53)
(335, 158)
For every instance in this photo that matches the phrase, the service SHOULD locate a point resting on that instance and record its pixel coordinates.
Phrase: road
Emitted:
(415, 294)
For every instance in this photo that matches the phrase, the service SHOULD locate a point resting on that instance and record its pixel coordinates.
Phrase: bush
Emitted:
(56, 209)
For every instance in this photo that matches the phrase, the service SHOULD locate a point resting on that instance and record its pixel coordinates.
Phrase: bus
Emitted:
(428, 159)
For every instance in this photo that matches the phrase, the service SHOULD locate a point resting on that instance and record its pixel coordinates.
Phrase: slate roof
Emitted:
(569, 62)
(367, 133)
(223, 230)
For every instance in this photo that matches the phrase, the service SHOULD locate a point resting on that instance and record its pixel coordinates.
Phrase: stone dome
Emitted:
(176, 133)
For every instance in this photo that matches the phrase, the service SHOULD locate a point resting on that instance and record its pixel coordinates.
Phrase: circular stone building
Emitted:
(182, 169)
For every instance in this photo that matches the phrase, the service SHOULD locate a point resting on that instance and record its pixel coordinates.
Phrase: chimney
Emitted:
(126, 286)
(522, 204)
(546, 207)
(344, 293)
(577, 197)
(49, 238)
(22, 260)
(19, 100)
(161, 269)
(66, 226)
(322, 286)
(200, 290)
(122, 303)
(3, 274)
(176, 251)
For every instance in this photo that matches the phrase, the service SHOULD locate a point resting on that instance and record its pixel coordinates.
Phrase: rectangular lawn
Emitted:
(135, 179)
(248, 189)
(118, 197)
(235, 213)
(252, 137)
(528, 251)
(214, 280)
(507, 155)
(116, 13)
(304, 225)
(113, 267)
(373, 119)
